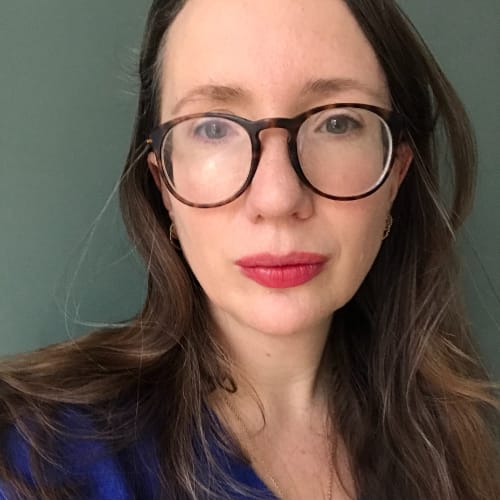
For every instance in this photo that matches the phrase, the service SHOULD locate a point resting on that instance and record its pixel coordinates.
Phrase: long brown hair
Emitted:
(412, 402)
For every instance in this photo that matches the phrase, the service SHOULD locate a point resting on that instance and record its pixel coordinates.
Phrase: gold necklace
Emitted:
(280, 492)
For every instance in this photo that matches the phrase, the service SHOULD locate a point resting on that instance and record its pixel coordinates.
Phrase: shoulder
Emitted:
(68, 450)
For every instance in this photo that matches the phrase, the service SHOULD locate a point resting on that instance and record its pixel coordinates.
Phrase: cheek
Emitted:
(202, 235)
(167, 202)
(191, 231)
(360, 232)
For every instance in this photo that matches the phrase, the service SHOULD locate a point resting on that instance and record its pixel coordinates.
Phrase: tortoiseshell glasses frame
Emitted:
(394, 121)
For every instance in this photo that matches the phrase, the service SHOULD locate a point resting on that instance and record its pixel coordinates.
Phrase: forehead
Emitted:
(269, 51)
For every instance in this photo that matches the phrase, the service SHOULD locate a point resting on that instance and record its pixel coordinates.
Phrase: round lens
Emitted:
(207, 159)
(345, 152)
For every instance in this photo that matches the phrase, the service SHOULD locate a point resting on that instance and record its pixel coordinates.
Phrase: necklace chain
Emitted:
(277, 488)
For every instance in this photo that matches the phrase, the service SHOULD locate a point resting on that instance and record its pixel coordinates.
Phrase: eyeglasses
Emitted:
(339, 151)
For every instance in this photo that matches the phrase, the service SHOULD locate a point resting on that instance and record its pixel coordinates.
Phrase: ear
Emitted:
(402, 161)
(154, 168)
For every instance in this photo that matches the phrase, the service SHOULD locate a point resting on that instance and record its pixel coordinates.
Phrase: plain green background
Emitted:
(67, 98)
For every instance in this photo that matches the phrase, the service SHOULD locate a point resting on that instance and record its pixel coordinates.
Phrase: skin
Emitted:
(269, 51)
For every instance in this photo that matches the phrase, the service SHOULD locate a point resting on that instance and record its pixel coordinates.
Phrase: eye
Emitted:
(339, 124)
(213, 129)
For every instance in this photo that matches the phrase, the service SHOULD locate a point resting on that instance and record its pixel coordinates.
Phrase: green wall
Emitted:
(465, 39)
(67, 96)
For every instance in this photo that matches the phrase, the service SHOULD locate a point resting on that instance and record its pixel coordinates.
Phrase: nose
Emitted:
(276, 191)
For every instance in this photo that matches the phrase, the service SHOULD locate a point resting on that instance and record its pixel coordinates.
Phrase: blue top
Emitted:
(106, 475)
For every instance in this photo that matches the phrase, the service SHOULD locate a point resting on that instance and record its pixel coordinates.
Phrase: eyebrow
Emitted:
(227, 94)
(217, 93)
(327, 86)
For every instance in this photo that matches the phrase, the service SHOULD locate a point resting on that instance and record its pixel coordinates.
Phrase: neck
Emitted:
(283, 371)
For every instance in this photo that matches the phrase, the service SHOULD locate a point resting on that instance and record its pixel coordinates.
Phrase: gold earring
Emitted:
(172, 236)
(388, 225)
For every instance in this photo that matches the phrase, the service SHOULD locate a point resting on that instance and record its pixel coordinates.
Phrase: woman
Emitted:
(303, 335)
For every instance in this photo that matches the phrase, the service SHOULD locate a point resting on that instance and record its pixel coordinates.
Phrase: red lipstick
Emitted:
(282, 271)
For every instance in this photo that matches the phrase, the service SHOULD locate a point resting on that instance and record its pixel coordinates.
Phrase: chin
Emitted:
(277, 312)
(286, 323)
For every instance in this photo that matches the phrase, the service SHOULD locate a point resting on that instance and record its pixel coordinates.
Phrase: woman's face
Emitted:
(255, 58)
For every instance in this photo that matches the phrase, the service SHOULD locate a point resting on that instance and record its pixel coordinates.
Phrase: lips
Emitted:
(282, 271)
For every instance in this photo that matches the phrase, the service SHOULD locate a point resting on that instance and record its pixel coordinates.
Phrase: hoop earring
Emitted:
(172, 236)
(388, 226)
